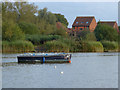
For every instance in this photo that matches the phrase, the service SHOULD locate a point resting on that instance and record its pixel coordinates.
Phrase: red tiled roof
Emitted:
(83, 21)
(111, 23)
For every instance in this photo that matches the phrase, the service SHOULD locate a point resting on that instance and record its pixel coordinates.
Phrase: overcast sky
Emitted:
(101, 10)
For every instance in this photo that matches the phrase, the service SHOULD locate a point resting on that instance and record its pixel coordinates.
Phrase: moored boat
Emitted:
(45, 58)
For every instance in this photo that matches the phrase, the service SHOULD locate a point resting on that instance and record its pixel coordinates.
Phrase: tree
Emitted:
(11, 32)
(62, 19)
(90, 37)
(106, 32)
(19, 11)
(61, 32)
(43, 14)
(8, 12)
(81, 35)
(28, 28)
(46, 22)
(119, 28)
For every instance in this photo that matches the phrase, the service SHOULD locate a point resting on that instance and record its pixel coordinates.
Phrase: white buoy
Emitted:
(61, 72)
(55, 67)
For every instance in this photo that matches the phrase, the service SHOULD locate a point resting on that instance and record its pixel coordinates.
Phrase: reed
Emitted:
(110, 45)
(91, 46)
(56, 46)
(17, 46)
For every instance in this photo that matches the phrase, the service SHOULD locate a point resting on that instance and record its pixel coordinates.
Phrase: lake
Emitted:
(87, 70)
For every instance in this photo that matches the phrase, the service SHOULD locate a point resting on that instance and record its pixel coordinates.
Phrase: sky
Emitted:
(103, 11)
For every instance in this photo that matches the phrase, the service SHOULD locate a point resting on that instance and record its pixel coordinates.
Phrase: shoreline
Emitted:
(60, 52)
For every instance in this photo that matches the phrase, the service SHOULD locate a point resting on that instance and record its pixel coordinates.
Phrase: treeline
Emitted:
(21, 20)
(27, 29)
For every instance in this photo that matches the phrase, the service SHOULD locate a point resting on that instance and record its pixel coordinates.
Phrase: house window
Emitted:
(82, 22)
(86, 22)
(80, 28)
(76, 22)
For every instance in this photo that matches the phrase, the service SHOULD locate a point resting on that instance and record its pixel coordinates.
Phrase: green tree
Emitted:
(26, 11)
(61, 32)
(62, 19)
(8, 12)
(11, 31)
(43, 14)
(19, 11)
(81, 35)
(46, 22)
(90, 37)
(28, 28)
(106, 32)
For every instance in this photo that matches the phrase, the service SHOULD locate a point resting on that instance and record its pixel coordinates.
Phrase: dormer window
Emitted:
(86, 22)
(76, 22)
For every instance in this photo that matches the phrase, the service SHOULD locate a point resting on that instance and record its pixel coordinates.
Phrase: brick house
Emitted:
(110, 23)
(84, 23)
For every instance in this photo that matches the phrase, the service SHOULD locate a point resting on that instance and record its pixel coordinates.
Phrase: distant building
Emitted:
(84, 23)
(110, 23)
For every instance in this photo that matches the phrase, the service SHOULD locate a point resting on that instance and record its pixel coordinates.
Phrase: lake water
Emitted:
(87, 70)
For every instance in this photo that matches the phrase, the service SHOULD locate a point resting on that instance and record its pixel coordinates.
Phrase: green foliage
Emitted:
(82, 34)
(61, 32)
(11, 31)
(41, 39)
(119, 28)
(91, 46)
(110, 45)
(46, 22)
(90, 37)
(62, 19)
(17, 46)
(56, 46)
(19, 11)
(69, 41)
(46, 28)
(86, 35)
(20, 23)
(106, 32)
(28, 28)
(43, 14)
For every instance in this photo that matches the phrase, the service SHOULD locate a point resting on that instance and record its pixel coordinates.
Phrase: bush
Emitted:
(82, 34)
(119, 28)
(61, 32)
(41, 39)
(90, 37)
(17, 46)
(106, 32)
(91, 46)
(28, 28)
(110, 46)
(56, 46)
(62, 19)
(86, 35)
(11, 31)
